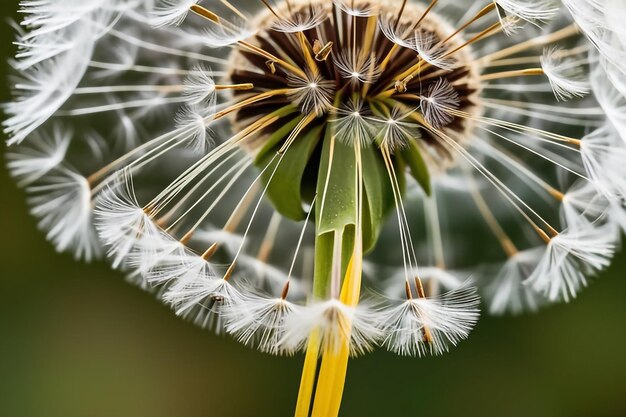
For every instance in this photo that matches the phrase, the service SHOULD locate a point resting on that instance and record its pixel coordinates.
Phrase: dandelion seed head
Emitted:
(325, 175)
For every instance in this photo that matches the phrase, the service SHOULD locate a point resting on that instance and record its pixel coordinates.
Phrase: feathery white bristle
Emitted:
(334, 323)
(396, 33)
(357, 68)
(395, 131)
(358, 8)
(532, 11)
(261, 322)
(437, 103)
(507, 292)
(61, 201)
(602, 23)
(37, 157)
(171, 12)
(121, 222)
(421, 326)
(149, 255)
(202, 299)
(200, 86)
(302, 20)
(612, 101)
(46, 18)
(603, 154)
(195, 121)
(431, 51)
(569, 257)
(33, 51)
(446, 279)
(42, 90)
(352, 123)
(313, 94)
(226, 34)
(583, 204)
(566, 76)
(175, 267)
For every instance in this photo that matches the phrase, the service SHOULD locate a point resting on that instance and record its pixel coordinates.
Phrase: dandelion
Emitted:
(328, 177)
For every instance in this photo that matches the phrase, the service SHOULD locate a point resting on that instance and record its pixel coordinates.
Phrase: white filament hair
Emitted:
(447, 319)
(261, 322)
(313, 94)
(429, 49)
(602, 23)
(334, 323)
(153, 258)
(603, 154)
(226, 34)
(387, 26)
(569, 257)
(38, 156)
(61, 201)
(302, 20)
(612, 100)
(35, 50)
(202, 299)
(582, 204)
(43, 89)
(121, 222)
(352, 123)
(566, 76)
(446, 278)
(357, 68)
(507, 292)
(171, 12)
(437, 103)
(46, 17)
(394, 131)
(171, 264)
(357, 8)
(396, 283)
(200, 86)
(196, 121)
(532, 11)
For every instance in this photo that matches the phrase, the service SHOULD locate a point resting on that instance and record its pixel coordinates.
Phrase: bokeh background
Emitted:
(77, 341)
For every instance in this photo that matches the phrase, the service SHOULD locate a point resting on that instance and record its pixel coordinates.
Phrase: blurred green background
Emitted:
(77, 341)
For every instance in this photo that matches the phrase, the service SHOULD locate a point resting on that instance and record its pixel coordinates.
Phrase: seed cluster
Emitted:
(353, 67)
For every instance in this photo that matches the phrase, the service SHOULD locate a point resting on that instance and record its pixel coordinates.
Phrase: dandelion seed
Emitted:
(312, 94)
(420, 326)
(335, 322)
(42, 154)
(438, 102)
(354, 122)
(357, 68)
(262, 322)
(569, 257)
(427, 46)
(198, 122)
(565, 76)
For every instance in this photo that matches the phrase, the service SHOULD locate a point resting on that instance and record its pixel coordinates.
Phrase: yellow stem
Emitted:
(308, 376)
